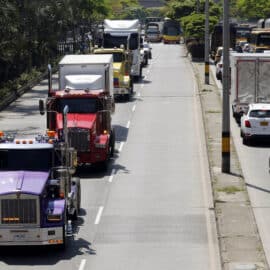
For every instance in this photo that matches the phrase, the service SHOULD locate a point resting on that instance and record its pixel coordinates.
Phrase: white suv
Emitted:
(255, 123)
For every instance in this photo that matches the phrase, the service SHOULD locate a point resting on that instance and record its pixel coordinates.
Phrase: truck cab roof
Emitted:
(89, 59)
(121, 25)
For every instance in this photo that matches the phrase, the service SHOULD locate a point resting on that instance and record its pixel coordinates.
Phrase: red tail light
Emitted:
(247, 124)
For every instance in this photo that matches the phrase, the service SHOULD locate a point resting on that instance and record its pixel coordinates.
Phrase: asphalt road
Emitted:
(150, 210)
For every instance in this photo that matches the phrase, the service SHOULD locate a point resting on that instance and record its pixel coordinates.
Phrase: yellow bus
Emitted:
(260, 40)
(171, 31)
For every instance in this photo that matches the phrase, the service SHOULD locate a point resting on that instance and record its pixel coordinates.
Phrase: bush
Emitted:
(196, 49)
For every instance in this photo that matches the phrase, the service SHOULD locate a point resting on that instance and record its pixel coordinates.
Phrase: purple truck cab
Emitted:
(34, 207)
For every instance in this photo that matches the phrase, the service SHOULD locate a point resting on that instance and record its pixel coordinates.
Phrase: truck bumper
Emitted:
(121, 91)
(31, 236)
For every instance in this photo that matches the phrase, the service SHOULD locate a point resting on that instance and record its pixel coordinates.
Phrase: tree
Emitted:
(177, 9)
(253, 9)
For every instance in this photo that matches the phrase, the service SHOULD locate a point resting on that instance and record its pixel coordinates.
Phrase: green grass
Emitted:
(230, 189)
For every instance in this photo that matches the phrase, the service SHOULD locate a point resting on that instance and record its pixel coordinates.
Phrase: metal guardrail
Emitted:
(12, 96)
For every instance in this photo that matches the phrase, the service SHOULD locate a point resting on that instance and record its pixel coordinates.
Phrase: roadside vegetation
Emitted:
(31, 31)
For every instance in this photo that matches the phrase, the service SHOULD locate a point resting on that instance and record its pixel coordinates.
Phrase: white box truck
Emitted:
(250, 81)
(86, 72)
(127, 33)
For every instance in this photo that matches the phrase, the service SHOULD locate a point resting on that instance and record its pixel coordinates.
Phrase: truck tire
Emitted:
(146, 61)
(131, 86)
(112, 143)
(76, 181)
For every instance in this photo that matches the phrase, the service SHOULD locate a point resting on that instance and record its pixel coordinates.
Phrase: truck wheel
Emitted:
(76, 181)
(102, 165)
(140, 76)
(131, 87)
(112, 143)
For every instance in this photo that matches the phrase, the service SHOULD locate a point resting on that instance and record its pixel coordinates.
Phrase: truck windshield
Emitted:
(111, 41)
(264, 39)
(171, 30)
(78, 105)
(26, 159)
(152, 30)
(118, 57)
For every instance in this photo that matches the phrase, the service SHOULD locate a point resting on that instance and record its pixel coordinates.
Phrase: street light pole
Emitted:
(226, 88)
(206, 43)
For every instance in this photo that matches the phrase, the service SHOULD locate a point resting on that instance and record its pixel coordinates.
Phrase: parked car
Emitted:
(219, 69)
(255, 122)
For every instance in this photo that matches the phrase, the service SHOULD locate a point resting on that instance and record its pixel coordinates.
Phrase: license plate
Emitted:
(19, 237)
(264, 123)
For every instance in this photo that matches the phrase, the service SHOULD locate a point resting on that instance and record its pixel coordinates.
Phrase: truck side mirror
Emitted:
(41, 107)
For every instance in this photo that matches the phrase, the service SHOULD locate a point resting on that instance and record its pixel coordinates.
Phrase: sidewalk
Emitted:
(239, 240)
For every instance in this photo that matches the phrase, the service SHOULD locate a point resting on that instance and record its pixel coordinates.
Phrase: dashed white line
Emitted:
(82, 265)
(128, 124)
(121, 146)
(139, 94)
(100, 210)
(112, 175)
(133, 108)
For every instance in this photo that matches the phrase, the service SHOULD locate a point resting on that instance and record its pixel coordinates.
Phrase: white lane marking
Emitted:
(134, 108)
(82, 265)
(112, 175)
(139, 94)
(100, 210)
(142, 85)
(121, 146)
(128, 124)
(148, 71)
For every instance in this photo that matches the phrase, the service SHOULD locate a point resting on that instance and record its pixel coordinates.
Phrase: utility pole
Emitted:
(226, 88)
(206, 43)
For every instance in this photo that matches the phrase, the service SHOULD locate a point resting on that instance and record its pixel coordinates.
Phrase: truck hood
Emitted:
(23, 182)
(76, 120)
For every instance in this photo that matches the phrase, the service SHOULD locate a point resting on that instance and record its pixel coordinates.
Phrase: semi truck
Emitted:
(39, 195)
(125, 32)
(122, 81)
(250, 80)
(86, 86)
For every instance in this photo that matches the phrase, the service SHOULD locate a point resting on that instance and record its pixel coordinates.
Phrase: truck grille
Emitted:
(79, 138)
(18, 211)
